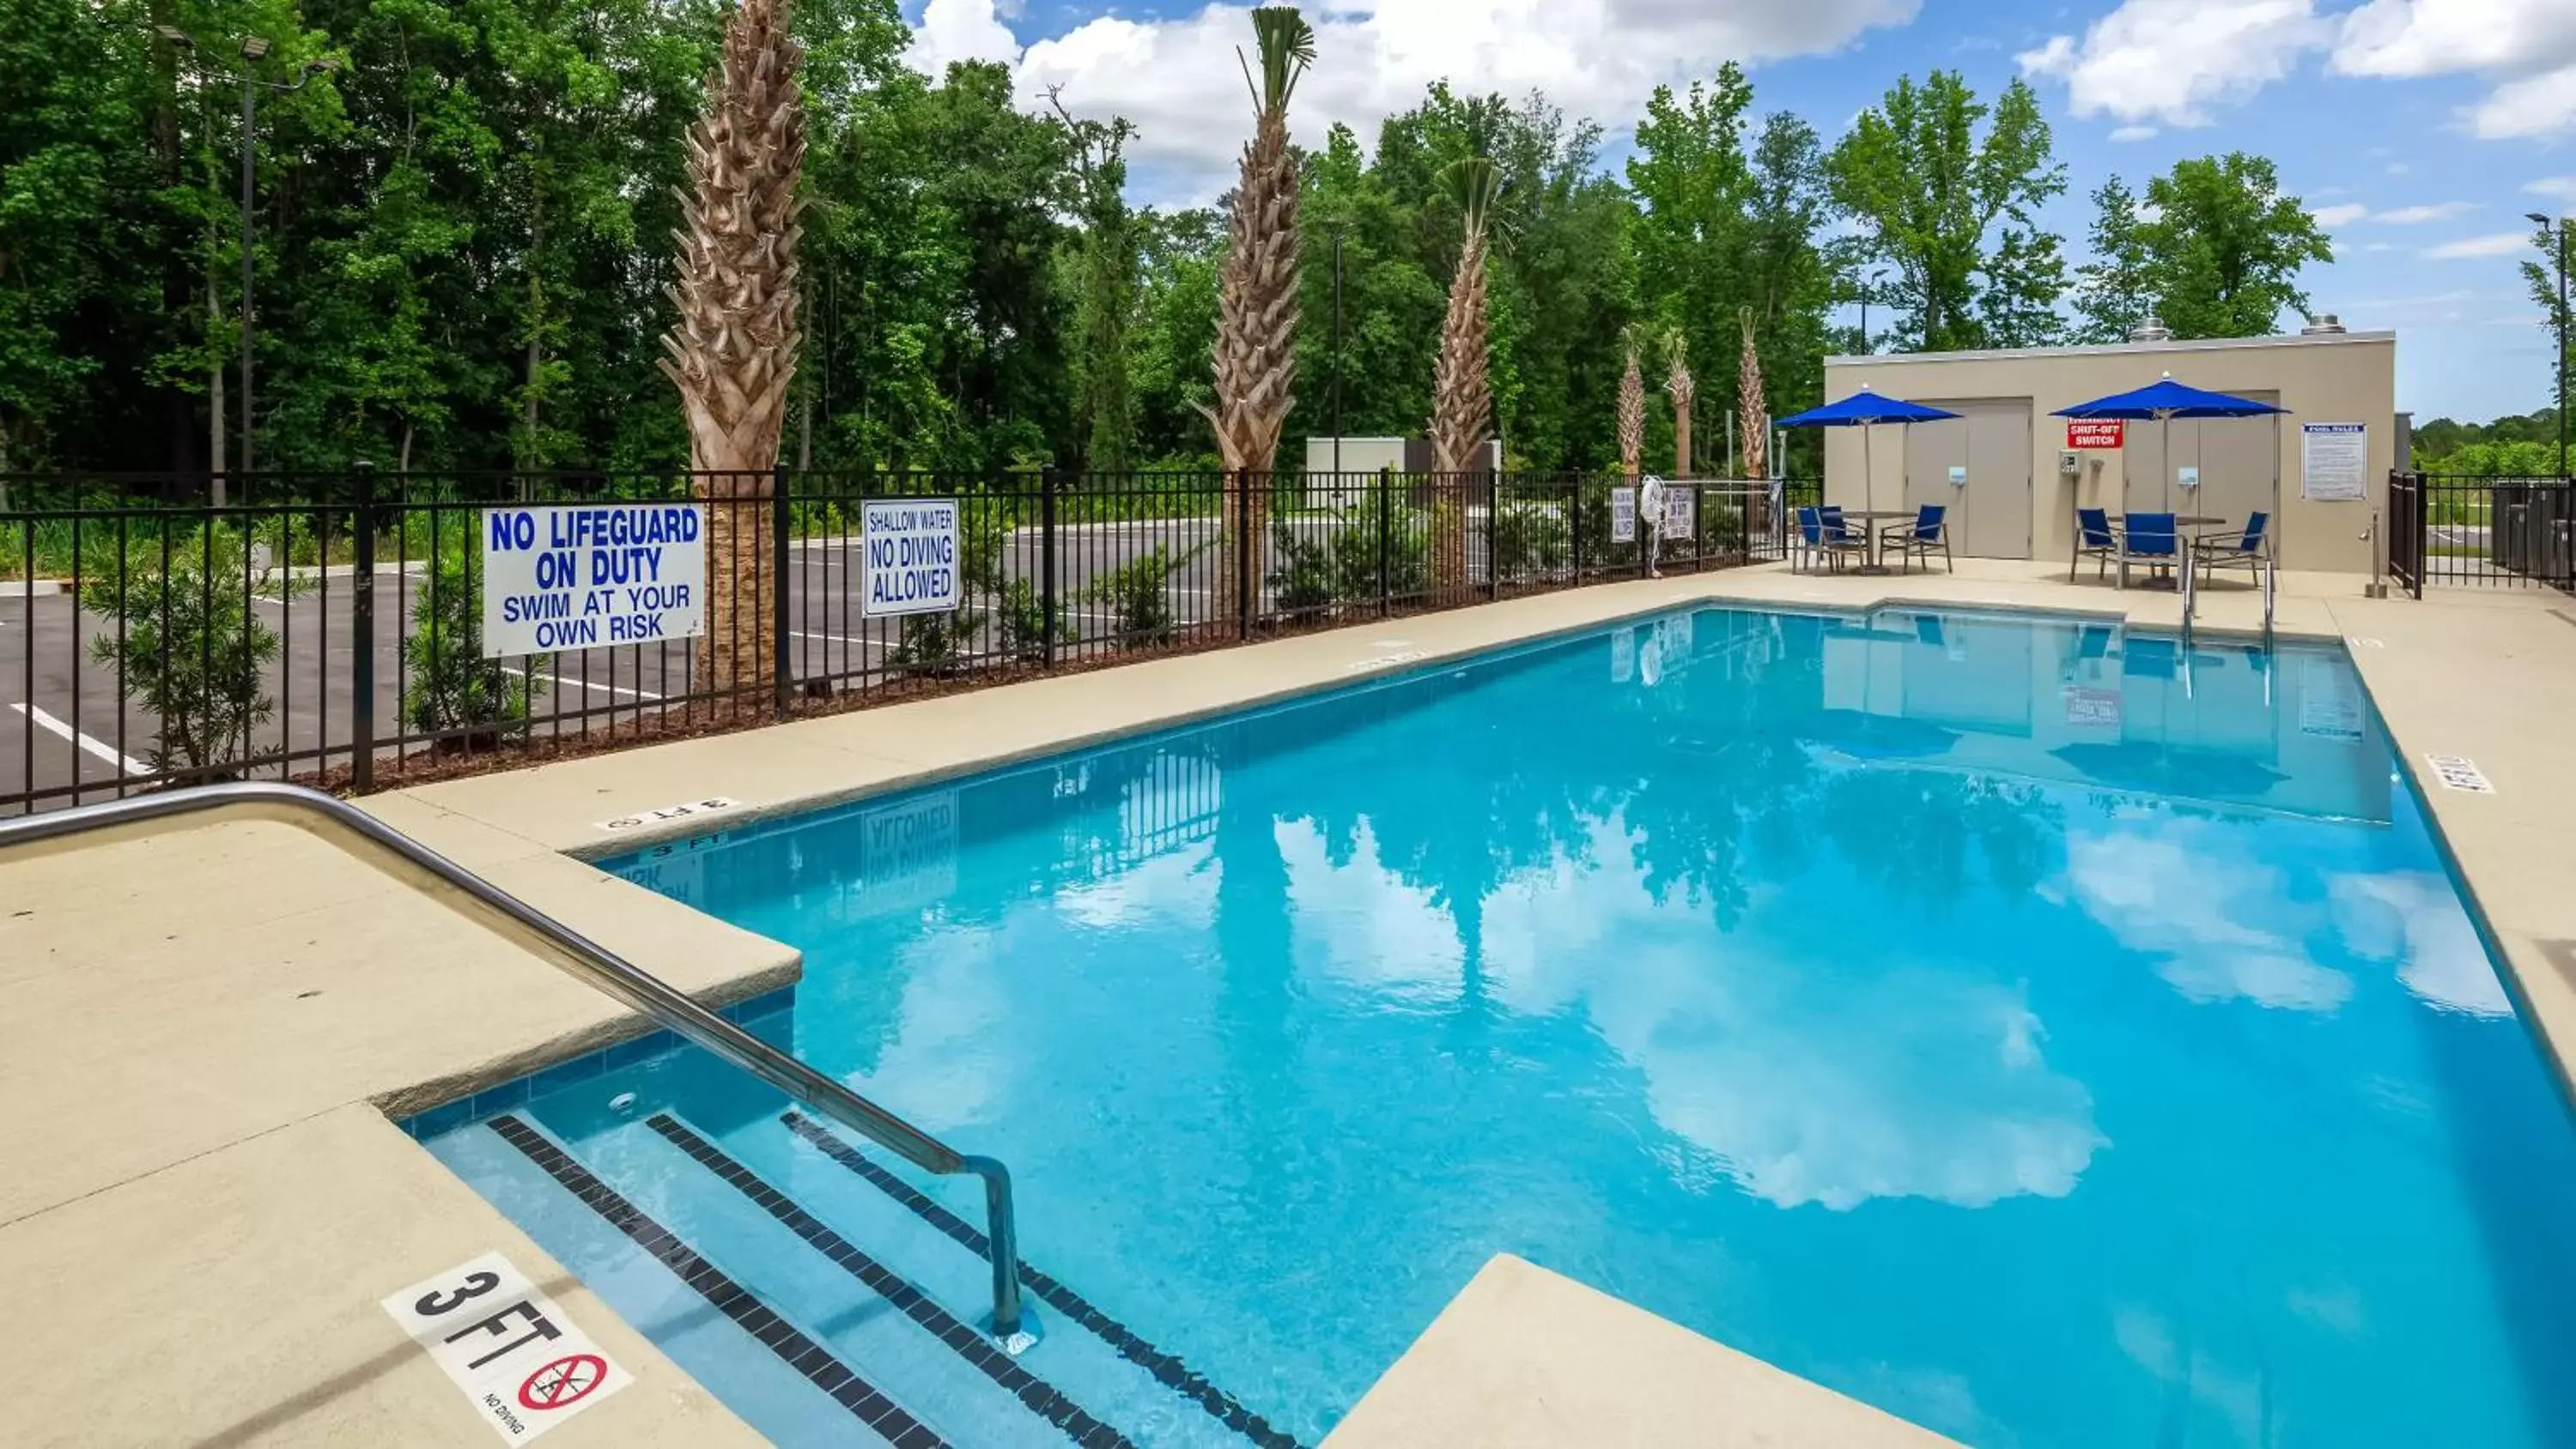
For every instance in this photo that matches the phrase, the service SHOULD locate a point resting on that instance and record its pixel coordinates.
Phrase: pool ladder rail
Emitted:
(1011, 1327)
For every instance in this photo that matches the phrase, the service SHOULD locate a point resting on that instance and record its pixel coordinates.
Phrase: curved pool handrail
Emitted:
(578, 956)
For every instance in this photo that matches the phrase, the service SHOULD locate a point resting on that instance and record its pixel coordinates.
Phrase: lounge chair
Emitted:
(2094, 538)
(2244, 550)
(1919, 539)
(2148, 538)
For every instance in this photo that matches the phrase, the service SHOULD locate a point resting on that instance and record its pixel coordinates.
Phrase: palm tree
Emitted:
(1679, 387)
(733, 351)
(1462, 396)
(1256, 335)
(1632, 403)
(1753, 420)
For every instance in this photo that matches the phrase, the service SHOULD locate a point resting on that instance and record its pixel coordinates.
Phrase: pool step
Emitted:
(837, 1380)
(846, 1273)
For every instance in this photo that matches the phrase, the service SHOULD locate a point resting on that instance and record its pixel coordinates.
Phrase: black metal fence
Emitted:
(2475, 532)
(330, 627)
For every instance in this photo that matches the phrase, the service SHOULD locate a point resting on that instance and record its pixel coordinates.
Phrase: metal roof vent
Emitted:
(2151, 328)
(2324, 324)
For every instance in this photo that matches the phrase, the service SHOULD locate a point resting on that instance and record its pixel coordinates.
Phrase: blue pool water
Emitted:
(2055, 1036)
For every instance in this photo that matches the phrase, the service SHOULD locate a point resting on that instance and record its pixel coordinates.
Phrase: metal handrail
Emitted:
(583, 959)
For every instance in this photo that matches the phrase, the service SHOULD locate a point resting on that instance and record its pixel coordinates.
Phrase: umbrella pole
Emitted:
(2166, 423)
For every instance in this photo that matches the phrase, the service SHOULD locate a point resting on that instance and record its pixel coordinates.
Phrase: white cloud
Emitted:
(2562, 187)
(2527, 47)
(2170, 61)
(2494, 244)
(2416, 215)
(2344, 214)
(955, 30)
(2134, 133)
(1177, 78)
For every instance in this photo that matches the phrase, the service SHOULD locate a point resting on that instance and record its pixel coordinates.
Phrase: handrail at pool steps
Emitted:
(584, 960)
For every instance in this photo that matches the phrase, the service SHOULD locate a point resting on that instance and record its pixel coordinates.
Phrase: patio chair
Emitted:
(1822, 533)
(2245, 550)
(2148, 538)
(1919, 539)
(2094, 537)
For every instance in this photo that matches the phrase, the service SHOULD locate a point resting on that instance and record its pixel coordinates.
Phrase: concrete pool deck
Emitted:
(202, 1030)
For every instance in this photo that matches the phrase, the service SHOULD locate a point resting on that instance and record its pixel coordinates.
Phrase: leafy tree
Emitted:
(2226, 247)
(2115, 291)
(1955, 215)
(2543, 277)
(1105, 287)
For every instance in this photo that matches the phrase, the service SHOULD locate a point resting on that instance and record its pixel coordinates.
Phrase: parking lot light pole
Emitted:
(2557, 230)
(253, 50)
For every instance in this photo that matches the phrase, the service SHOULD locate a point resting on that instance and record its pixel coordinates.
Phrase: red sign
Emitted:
(563, 1383)
(2082, 433)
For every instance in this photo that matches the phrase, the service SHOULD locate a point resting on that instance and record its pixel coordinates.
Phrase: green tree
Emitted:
(2545, 280)
(2226, 247)
(1105, 288)
(2114, 291)
(1955, 214)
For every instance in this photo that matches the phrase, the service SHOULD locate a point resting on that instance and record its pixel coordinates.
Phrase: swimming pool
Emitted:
(2052, 1034)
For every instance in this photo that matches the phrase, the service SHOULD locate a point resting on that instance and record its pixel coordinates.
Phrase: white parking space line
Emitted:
(560, 682)
(124, 763)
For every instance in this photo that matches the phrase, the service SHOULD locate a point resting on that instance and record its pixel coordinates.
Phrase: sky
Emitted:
(2418, 131)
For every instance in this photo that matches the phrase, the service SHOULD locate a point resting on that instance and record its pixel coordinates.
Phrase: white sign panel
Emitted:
(2334, 461)
(579, 577)
(519, 1361)
(910, 557)
(1623, 515)
(686, 809)
(2458, 772)
(1681, 513)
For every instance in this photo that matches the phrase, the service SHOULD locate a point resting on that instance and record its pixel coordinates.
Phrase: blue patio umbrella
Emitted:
(1863, 410)
(2165, 400)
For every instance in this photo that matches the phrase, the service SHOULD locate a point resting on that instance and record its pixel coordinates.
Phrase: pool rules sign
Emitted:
(522, 1364)
(557, 579)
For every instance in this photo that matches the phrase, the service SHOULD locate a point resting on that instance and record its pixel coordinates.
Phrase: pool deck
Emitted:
(203, 1030)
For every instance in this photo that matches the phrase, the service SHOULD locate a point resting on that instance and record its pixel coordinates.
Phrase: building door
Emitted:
(2239, 461)
(1989, 513)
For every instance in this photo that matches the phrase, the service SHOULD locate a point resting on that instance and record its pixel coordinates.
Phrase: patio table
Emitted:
(1869, 518)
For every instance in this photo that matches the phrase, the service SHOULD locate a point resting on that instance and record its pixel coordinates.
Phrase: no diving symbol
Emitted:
(563, 1383)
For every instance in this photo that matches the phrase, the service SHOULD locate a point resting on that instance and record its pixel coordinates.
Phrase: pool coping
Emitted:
(2436, 676)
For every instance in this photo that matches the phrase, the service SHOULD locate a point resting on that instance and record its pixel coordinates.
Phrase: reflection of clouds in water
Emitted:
(2337, 1308)
(2414, 918)
(1174, 887)
(2169, 889)
(941, 1067)
(1810, 1082)
(1363, 925)
(2236, 1398)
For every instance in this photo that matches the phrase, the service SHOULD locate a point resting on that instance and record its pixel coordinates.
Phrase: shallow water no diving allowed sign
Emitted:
(909, 557)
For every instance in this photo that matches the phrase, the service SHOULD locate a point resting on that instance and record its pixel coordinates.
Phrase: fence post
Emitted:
(1246, 547)
(1574, 516)
(1385, 525)
(1493, 520)
(362, 642)
(1046, 563)
(782, 531)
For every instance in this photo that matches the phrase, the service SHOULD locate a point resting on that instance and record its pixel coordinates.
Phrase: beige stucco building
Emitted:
(2013, 485)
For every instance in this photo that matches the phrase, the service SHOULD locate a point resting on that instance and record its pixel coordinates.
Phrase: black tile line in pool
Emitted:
(1167, 1368)
(1040, 1397)
(815, 1362)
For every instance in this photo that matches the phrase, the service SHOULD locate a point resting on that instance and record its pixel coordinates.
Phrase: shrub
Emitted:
(1529, 540)
(454, 691)
(1139, 596)
(189, 645)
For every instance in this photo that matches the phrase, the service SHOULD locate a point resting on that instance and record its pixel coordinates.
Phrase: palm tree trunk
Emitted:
(1462, 416)
(733, 351)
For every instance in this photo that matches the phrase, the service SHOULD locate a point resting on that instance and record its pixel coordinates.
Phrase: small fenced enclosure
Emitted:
(2478, 532)
(332, 628)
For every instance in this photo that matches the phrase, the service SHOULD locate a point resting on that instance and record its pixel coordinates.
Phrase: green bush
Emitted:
(188, 644)
(1529, 540)
(452, 687)
(1139, 597)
